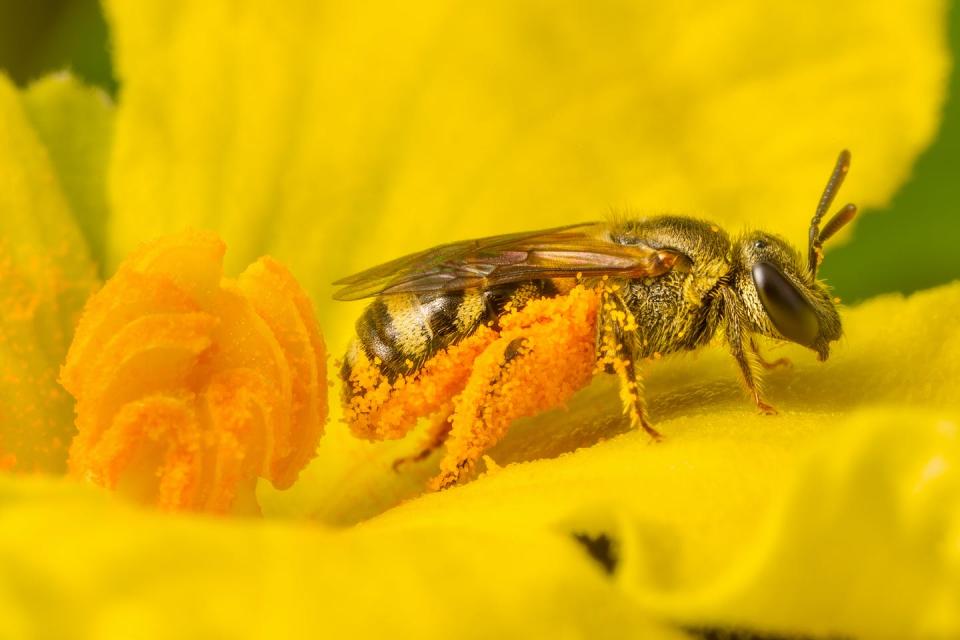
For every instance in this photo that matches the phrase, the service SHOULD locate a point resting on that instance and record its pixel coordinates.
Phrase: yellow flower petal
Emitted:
(179, 577)
(865, 544)
(189, 387)
(45, 276)
(75, 124)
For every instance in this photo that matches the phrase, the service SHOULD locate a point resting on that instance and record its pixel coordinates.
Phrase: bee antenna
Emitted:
(839, 219)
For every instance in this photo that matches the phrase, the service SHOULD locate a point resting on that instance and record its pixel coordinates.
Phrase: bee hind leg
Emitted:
(519, 375)
(475, 425)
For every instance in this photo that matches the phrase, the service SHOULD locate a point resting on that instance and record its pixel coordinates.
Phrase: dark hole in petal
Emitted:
(720, 633)
(601, 548)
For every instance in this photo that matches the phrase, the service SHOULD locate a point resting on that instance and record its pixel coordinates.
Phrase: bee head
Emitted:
(780, 290)
(783, 299)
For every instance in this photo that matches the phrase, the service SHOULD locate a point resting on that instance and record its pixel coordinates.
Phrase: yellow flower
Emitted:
(332, 137)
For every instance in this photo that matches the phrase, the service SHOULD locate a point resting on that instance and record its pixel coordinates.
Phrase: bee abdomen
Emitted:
(400, 332)
(377, 334)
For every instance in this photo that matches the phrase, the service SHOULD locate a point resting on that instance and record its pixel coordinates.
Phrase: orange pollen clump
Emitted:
(377, 409)
(536, 359)
(545, 352)
(190, 387)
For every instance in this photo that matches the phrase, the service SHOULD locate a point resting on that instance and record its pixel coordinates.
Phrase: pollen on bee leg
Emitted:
(189, 386)
(610, 357)
(543, 355)
(376, 408)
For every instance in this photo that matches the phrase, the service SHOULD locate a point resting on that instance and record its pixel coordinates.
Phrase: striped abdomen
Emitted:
(401, 332)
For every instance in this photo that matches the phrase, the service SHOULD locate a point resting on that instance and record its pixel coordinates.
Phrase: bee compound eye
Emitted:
(790, 312)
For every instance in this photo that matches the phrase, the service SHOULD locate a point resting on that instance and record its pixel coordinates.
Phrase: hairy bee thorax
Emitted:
(679, 310)
(706, 246)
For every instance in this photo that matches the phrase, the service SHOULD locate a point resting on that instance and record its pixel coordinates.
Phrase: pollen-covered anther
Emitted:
(190, 386)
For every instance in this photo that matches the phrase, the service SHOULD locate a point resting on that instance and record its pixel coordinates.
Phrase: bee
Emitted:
(475, 334)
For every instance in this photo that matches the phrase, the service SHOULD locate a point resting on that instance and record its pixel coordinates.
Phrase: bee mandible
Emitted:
(475, 334)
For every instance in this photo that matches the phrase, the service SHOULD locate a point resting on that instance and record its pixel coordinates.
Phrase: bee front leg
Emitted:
(748, 361)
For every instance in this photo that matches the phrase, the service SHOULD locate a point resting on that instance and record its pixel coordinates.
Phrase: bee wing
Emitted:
(562, 252)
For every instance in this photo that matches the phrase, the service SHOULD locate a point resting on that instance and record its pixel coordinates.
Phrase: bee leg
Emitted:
(766, 364)
(451, 477)
(474, 428)
(614, 338)
(745, 361)
(531, 369)
(743, 349)
(636, 403)
(436, 435)
(779, 362)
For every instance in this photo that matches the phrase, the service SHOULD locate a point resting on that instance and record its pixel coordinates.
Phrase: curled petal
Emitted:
(189, 387)
(150, 354)
(152, 450)
(129, 295)
(242, 408)
(285, 308)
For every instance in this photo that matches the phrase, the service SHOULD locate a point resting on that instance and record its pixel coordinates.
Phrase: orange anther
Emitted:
(189, 386)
